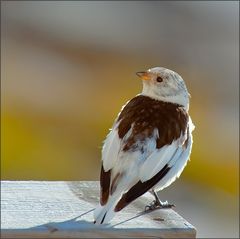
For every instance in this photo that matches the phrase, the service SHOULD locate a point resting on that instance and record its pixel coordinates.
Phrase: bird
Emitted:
(148, 145)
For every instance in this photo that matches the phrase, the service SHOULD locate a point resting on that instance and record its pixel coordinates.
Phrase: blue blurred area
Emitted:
(68, 67)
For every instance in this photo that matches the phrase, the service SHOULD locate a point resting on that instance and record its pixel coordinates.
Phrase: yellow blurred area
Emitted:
(54, 148)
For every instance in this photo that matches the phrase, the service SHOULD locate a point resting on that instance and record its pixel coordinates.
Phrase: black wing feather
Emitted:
(140, 188)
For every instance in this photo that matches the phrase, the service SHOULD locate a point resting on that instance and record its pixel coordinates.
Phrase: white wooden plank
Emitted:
(41, 209)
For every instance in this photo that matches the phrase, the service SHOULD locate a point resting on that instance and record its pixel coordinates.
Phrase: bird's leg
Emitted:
(157, 203)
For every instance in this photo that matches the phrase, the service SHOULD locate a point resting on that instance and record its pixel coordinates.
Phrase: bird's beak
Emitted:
(144, 75)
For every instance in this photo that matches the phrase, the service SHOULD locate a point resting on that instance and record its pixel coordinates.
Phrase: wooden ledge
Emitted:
(44, 209)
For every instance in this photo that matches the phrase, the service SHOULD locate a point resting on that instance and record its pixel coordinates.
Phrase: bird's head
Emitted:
(164, 84)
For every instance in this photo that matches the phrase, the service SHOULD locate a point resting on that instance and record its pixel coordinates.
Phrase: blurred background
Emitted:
(68, 67)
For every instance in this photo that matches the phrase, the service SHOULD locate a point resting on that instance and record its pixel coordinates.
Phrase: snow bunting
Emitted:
(148, 146)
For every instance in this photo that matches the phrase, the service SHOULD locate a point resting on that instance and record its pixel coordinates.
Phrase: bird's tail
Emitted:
(103, 214)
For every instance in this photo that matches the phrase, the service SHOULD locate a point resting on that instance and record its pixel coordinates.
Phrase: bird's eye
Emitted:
(159, 79)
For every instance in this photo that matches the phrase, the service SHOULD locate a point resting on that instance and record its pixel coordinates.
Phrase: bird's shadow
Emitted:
(77, 223)
(71, 225)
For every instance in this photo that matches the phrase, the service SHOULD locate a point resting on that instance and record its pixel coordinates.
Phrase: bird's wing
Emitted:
(159, 158)
(168, 155)
(155, 169)
(111, 149)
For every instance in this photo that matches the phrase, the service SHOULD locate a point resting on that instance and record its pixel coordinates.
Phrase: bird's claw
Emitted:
(155, 205)
(166, 205)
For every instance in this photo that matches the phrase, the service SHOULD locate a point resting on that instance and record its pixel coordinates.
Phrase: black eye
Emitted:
(159, 79)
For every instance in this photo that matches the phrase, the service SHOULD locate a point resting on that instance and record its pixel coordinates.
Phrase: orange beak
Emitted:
(144, 75)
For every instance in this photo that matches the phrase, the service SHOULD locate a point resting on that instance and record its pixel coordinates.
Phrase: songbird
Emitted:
(148, 146)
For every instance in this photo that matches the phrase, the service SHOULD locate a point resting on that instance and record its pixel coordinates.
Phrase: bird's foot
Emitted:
(152, 206)
(166, 205)
(158, 205)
